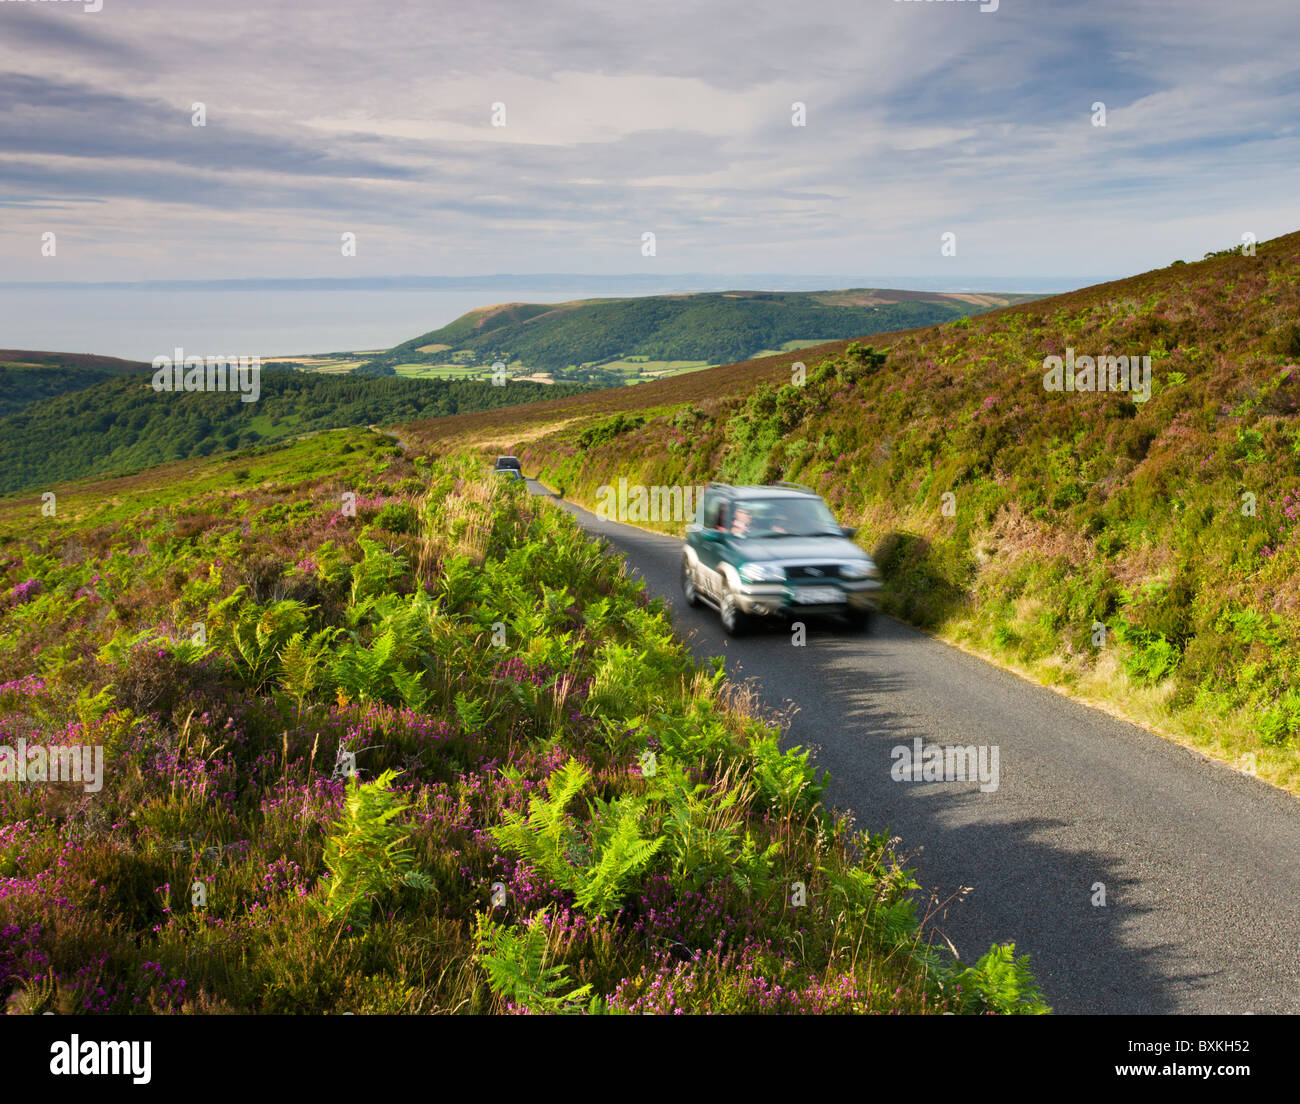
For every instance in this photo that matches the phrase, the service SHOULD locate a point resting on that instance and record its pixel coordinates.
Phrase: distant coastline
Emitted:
(633, 282)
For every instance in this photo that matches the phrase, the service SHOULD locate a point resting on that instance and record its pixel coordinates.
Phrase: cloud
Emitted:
(30, 29)
(673, 117)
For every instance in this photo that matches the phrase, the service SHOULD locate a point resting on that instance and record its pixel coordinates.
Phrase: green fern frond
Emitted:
(367, 854)
(518, 971)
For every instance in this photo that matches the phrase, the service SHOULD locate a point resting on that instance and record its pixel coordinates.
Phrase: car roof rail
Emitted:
(794, 486)
(716, 483)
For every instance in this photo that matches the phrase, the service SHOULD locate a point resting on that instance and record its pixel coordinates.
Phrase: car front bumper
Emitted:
(790, 600)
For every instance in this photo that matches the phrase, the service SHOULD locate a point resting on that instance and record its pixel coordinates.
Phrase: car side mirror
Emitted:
(849, 531)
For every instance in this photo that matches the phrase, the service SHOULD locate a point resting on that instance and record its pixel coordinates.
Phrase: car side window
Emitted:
(715, 512)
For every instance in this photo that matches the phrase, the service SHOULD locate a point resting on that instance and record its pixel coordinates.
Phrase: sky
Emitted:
(626, 118)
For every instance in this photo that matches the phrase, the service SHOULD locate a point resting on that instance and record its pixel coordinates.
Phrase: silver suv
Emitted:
(775, 551)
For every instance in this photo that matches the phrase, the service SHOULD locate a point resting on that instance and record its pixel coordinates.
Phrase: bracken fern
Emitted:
(366, 856)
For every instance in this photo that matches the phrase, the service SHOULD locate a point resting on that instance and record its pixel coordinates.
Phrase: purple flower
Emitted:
(25, 592)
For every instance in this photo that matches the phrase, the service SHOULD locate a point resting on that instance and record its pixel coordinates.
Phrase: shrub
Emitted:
(999, 982)
(605, 431)
(1150, 657)
(518, 971)
(366, 855)
(397, 517)
(596, 862)
(1286, 341)
(1280, 722)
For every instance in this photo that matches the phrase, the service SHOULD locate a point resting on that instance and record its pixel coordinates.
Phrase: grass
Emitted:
(443, 371)
(449, 371)
(644, 365)
(330, 365)
(788, 347)
(628, 367)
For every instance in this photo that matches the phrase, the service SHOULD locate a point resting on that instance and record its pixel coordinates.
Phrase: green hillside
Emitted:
(27, 377)
(574, 340)
(1141, 554)
(122, 424)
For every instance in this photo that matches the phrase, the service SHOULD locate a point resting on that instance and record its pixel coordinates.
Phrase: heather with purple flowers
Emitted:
(25, 591)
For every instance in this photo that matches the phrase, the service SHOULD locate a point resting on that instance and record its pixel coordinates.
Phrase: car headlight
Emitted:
(762, 573)
(858, 569)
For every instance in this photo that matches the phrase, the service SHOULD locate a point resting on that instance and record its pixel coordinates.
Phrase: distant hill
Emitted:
(27, 376)
(605, 340)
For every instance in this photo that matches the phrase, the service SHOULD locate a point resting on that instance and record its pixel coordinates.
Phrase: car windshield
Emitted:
(507, 462)
(783, 517)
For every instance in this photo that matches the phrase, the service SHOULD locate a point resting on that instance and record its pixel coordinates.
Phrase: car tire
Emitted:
(735, 622)
(858, 620)
(689, 591)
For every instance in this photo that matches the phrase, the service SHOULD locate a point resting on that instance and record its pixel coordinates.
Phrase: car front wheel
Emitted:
(734, 620)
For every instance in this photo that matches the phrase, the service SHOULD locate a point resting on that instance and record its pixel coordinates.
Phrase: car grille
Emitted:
(813, 571)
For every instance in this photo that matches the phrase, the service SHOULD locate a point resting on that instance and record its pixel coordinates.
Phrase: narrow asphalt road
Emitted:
(1200, 864)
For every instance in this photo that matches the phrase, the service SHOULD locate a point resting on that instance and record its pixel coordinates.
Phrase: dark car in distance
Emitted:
(510, 468)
